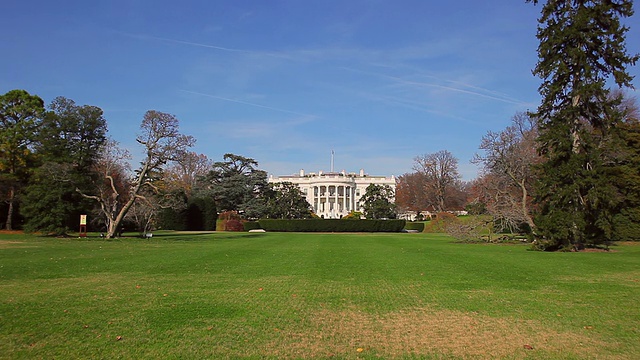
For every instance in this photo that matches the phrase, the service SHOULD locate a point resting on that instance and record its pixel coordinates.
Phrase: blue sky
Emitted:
(285, 82)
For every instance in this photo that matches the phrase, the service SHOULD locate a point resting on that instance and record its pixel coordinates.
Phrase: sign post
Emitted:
(83, 226)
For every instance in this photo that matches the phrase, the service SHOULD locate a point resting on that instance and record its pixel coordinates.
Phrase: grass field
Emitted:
(343, 296)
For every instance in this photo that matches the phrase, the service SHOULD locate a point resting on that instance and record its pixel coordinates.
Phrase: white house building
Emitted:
(333, 195)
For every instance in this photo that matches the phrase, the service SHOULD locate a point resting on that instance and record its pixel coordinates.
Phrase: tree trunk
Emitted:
(111, 230)
(524, 209)
(12, 198)
(115, 223)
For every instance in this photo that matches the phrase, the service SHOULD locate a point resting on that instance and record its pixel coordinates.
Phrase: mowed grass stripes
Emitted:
(283, 295)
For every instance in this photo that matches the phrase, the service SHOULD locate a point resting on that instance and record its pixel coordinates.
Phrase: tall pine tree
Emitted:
(20, 117)
(582, 48)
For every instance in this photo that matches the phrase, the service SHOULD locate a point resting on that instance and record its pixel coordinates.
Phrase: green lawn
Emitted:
(351, 296)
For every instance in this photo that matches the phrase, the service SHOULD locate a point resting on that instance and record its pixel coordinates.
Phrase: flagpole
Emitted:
(331, 160)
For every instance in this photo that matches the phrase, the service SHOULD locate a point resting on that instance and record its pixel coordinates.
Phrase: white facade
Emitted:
(333, 195)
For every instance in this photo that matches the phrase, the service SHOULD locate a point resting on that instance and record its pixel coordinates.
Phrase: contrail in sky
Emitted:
(491, 94)
(247, 103)
(149, 37)
(191, 43)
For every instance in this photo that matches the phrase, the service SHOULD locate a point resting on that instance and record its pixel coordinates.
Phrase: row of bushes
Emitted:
(326, 225)
(417, 226)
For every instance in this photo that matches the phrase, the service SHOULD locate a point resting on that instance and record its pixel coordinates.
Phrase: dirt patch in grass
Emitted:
(631, 278)
(628, 243)
(6, 244)
(11, 232)
(424, 332)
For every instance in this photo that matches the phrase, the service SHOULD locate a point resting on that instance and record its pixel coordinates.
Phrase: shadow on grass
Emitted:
(194, 236)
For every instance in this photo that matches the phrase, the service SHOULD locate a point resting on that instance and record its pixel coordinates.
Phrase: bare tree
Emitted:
(410, 194)
(508, 160)
(143, 212)
(441, 174)
(186, 170)
(162, 143)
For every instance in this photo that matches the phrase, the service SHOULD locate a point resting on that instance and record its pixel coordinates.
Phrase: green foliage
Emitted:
(237, 185)
(476, 208)
(251, 225)
(171, 219)
(332, 225)
(440, 223)
(72, 134)
(285, 201)
(20, 117)
(582, 46)
(626, 177)
(201, 214)
(418, 226)
(51, 205)
(68, 144)
(377, 203)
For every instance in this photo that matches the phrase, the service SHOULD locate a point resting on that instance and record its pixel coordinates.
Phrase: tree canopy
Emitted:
(162, 142)
(68, 144)
(236, 184)
(20, 117)
(286, 201)
(377, 202)
(582, 46)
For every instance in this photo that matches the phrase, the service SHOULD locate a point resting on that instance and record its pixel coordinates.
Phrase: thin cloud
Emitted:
(248, 103)
(484, 93)
(412, 104)
(175, 41)
(207, 46)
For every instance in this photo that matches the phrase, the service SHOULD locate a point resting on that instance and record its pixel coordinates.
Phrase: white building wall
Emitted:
(335, 194)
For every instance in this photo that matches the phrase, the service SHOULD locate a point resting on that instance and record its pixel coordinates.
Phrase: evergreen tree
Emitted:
(237, 184)
(68, 144)
(201, 214)
(377, 202)
(286, 201)
(626, 173)
(20, 117)
(50, 203)
(582, 46)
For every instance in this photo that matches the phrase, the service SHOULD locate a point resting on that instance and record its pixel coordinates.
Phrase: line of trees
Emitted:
(58, 162)
(568, 173)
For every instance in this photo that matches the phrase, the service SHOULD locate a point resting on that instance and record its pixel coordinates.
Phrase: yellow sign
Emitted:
(83, 219)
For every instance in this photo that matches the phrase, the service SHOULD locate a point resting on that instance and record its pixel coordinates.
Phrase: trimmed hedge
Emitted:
(251, 225)
(331, 225)
(418, 226)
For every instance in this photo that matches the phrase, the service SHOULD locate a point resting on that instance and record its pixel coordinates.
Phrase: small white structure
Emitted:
(333, 195)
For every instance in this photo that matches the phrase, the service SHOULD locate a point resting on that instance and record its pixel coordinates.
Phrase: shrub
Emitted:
(229, 221)
(332, 225)
(440, 223)
(418, 226)
(170, 219)
(251, 225)
(354, 215)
